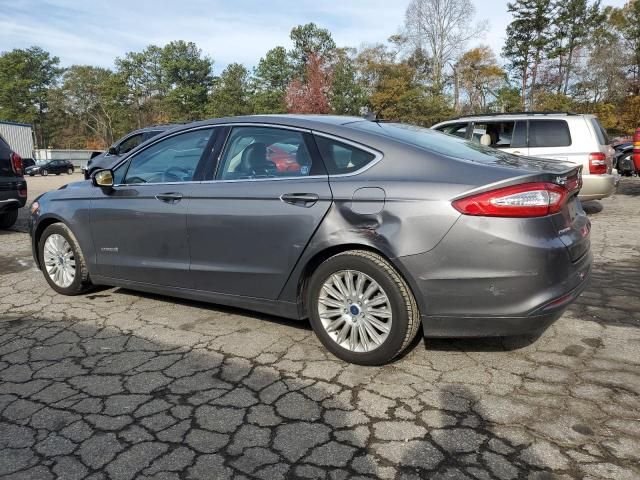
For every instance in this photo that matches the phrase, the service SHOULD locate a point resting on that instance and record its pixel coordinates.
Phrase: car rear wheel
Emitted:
(8, 219)
(62, 261)
(45, 173)
(361, 309)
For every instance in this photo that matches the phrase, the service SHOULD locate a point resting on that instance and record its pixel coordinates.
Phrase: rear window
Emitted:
(342, 158)
(549, 133)
(433, 141)
(601, 133)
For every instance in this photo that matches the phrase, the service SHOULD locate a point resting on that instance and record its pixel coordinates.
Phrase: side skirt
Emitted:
(262, 305)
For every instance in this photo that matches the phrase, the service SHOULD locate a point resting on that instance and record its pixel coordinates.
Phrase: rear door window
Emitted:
(549, 133)
(507, 134)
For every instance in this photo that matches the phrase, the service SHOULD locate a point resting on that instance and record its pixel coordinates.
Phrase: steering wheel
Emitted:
(172, 174)
(178, 170)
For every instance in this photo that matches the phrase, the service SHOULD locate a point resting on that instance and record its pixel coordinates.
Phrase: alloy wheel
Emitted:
(355, 311)
(59, 260)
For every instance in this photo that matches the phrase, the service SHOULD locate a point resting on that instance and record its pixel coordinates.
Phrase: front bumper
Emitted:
(496, 277)
(596, 187)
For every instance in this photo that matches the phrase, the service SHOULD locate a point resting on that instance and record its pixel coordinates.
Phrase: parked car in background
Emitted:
(381, 227)
(566, 137)
(123, 146)
(26, 163)
(13, 188)
(51, 167)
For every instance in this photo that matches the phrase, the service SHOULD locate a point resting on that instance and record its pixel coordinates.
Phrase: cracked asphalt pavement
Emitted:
(116, 385)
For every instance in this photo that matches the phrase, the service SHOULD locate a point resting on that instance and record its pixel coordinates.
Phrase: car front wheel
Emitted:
(45, 173)
(69, 171)
(361, 309)
(62, 261)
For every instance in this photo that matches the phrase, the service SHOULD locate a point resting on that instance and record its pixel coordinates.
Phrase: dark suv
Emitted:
(13, 188)
(52, 166)
(127, 143)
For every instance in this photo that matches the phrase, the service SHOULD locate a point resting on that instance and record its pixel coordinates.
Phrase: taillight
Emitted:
(636, 150)
(525, 200)
(16, 163)
(597, 163)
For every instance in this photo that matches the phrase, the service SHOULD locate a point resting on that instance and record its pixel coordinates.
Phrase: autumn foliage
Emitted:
(311, 93)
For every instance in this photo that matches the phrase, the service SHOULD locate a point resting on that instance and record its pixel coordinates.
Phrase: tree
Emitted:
(527, 41)
(96, 97)
(311, 95)
(145, 78)
(630, 27)
(26, 76)
(441, 29)
(308, 40)
(231, 92)
(478, 75)
(574, 23)
(271, 78)
(347, 95)
(187, 77)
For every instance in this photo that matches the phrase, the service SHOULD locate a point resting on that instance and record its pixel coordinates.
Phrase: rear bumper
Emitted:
(10, 199)
(497, 277)
(536, 322)
(596, 187)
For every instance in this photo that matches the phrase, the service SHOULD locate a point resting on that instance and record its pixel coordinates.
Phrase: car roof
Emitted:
(518, 115)
(291, 120)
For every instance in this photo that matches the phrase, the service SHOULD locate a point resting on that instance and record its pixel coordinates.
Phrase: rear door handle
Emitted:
(169, 197)
(300, 199)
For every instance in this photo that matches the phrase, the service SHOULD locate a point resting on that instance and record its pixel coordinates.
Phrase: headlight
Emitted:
(35, 208)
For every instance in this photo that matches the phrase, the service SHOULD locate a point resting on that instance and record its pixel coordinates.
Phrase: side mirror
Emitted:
(103, 178)
(113, 151)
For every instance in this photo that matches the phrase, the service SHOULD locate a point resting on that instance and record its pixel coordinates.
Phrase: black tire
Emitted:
(31, 174)
(406, 318)
(57, 173)
(69, 171)
(8, 219)
(44, 173)
(81, 283)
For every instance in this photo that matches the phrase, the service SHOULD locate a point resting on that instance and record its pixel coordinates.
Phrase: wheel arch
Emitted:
(37, 234)
(311, 264)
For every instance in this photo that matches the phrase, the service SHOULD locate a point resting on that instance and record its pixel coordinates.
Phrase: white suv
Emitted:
(563, 136)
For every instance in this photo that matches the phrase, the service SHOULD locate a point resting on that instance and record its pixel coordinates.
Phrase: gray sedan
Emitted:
(368, 229)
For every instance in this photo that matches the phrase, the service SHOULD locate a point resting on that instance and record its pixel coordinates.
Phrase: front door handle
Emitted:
(300, 199)
(170, 197)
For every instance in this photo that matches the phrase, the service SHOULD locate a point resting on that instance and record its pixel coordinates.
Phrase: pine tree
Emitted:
(574, 22)
(528, 41)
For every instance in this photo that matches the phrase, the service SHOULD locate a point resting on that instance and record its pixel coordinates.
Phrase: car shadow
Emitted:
(592, 207)
(223, 309)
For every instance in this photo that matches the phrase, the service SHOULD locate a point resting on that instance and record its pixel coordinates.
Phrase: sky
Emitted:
(95, 32)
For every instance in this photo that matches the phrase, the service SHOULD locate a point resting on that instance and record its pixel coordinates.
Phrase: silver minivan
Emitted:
(569, 137)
